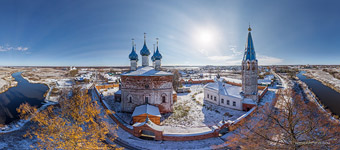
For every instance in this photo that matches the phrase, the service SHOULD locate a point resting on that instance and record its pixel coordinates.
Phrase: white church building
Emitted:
(236, 97)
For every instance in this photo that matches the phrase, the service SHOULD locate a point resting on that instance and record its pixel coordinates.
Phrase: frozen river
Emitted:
(23, 92)
(329, 97)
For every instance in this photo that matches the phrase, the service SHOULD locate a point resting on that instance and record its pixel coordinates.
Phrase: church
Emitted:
(240, 98)
(145, 84)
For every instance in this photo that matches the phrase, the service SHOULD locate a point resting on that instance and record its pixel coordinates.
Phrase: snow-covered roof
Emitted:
(264, 81)
(149, 123)
(249, 101)
(146, 109)
(225, 89)
(146, 71)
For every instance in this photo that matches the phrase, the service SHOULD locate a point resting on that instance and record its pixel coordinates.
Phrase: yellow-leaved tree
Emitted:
(74, 123)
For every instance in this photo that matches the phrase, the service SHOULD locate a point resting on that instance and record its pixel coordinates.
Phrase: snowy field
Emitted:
(6, 79)
(15, 140)
(197, 112)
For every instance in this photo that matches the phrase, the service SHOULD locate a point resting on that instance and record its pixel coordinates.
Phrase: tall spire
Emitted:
(249, 53)
(145, 51)
(135, 47)
(153, 55)
(133, 42)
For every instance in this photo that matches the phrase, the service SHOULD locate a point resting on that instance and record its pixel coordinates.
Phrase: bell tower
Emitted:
(249, 70)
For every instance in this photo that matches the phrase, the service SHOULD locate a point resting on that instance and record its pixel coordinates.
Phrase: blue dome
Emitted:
(157, 55)
(144, 51)
(133, 55)
(153, 56)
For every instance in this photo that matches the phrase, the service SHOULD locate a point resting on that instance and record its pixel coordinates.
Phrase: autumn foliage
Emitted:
(72, 124)
(292, 124)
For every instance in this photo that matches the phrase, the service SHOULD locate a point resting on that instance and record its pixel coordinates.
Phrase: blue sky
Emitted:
(190, 32)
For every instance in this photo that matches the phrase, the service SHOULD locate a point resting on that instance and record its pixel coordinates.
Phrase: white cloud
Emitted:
(220, 58)
(268, 60)
(6, 48)
(22, 48)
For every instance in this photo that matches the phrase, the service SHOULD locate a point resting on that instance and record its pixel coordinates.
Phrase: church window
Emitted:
(215, 98)
(163, 99)
(222, 101)
(248, 65)
(211, 97)
(147, 86)
(228, 102)
(130, 99)
(234, 103)
(146, 99)
(208, 95)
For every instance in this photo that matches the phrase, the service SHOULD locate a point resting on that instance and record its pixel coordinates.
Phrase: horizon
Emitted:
(191, 33)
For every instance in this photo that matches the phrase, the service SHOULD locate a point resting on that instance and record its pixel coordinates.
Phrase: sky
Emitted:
(190, 32)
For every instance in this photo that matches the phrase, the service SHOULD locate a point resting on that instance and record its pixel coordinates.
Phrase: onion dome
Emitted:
(249, 53)
(144, 51)
(157, 55)
(133, 55)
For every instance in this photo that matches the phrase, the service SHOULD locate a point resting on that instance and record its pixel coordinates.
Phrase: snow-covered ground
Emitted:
(191, 114)
(200, 113)
(324, 77)
(6, 79)
(15, 140)
(136, 142)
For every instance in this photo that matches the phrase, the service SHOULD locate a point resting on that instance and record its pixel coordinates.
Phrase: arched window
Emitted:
(129, 98)
(248, 65)
(164, 98)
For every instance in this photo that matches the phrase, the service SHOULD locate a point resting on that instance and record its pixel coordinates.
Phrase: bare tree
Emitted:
(176, 83)
(293, 125)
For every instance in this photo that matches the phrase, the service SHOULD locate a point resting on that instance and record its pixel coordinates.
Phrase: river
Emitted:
(327, 96)
(23, 92)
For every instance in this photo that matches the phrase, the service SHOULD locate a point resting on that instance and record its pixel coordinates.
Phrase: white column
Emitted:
(145, 61)
(133, 65)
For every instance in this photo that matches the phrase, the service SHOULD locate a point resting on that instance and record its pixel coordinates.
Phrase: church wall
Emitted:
(153, 87)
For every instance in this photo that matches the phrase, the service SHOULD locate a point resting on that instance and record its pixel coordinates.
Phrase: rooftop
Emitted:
(146, 71)
(146, 109)
(225, 89)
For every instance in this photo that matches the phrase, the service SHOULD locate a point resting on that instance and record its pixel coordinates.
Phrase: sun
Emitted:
(205, 37)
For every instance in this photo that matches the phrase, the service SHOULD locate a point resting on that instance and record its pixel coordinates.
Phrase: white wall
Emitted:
(214, 93)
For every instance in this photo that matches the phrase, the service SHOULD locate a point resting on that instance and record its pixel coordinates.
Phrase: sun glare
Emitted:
(205, 37)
